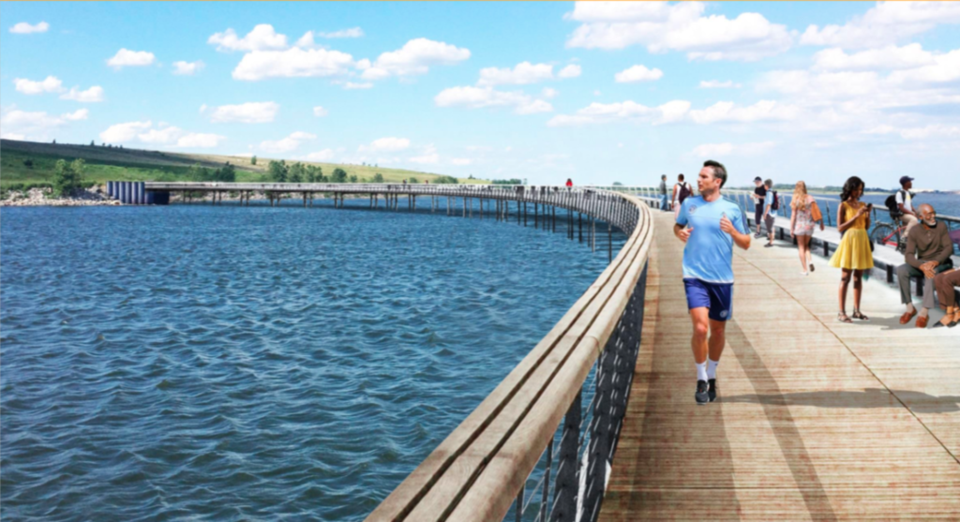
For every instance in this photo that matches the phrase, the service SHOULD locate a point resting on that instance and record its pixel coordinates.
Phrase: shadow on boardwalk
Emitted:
(869, 398)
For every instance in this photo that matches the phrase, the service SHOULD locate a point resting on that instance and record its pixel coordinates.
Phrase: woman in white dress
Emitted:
(804, 213)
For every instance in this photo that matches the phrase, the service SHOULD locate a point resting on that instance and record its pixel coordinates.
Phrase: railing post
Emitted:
(564, 507)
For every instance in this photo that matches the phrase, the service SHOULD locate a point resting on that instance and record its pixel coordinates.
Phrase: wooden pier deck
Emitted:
(817, 420)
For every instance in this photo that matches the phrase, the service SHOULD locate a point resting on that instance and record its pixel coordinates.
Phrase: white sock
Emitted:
(712, 369)
(701, 371)
(924, 312)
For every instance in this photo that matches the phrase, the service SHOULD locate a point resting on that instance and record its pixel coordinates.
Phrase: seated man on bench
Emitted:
(928, 253)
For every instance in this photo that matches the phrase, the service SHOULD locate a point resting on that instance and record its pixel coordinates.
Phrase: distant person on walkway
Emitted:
(946, 282)
(803, 216)
(569, 183)
(709, 225)
(758, 196)
(681, 191)
(904, 200)
(928, 253)
(662, 192)
(853, 255)
(770, 208)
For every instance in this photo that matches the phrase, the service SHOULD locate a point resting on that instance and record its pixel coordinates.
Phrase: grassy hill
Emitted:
(30, 163)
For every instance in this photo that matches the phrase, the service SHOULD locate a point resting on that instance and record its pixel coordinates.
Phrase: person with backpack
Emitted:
(662, 192)
(681, 191)
(772, 200)
(900, 205)
(758, 196)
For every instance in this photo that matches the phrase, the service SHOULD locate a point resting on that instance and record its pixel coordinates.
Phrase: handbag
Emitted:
(815, 211)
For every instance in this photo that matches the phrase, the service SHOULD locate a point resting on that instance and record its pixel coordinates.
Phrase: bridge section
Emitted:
(817, 420)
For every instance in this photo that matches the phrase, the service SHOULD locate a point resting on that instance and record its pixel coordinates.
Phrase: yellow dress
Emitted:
(854, 251)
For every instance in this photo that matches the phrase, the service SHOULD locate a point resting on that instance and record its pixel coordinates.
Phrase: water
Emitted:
(218, 363)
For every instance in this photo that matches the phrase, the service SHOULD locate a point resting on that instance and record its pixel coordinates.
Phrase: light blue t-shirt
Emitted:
(708, 255)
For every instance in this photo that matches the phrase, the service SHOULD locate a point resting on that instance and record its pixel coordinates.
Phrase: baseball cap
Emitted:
(904, 179)
(758, 178)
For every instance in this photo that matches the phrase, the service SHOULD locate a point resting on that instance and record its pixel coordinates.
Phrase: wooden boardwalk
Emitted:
(817, 420)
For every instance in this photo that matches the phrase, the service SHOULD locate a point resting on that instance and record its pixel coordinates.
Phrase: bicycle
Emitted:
(891, 234)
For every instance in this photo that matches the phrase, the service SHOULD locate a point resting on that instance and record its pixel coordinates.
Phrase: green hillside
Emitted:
(29, 163)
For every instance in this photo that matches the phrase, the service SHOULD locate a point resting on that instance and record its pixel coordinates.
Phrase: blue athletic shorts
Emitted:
(716, 297)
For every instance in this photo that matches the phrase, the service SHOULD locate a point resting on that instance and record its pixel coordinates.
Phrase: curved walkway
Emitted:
(817, 420)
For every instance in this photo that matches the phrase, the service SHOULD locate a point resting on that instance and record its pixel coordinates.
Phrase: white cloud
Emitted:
(48, 84)
(292, 63)
(638, 73)
(548, 92)
(77, 115)
(945, 68)
(890, 57)
(478, 97)
(570, 71)
(261, 38)
(351, 86)
(715, 150)
(13, 136)
(252, 112)
(196, 140)
(628, 110)
(92, 95)
(764, 110)
(390, 144)
(415, 57)
(26, 28)
(291, 142)
(157, 136)
(353, 32)
(523, 73)
(663, 27)
(461, 161)
(918, 133)
(124, 132)
(187, 68)
(884, 24)
(717, 84)
(323, 155)
(429, 157)
(319, 111)
(128, 58)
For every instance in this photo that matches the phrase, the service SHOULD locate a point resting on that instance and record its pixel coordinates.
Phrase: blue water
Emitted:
(223, 363)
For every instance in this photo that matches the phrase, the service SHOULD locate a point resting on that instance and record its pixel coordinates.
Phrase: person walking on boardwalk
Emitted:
(803, 216)
(853, 255)
(662, 191)
(759, 194)
(681, 191)
(709, 225)
(770, 208)
(928, 253)
(569, 183)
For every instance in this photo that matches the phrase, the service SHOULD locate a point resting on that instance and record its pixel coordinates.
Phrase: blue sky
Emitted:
(545, 91)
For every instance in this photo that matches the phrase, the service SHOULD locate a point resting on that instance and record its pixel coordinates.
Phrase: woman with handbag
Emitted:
(804, 214)
(853, 255)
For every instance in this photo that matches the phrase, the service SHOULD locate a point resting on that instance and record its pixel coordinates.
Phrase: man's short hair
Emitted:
(719, 171)
(663, 177)
(680, 177)
(768, 183)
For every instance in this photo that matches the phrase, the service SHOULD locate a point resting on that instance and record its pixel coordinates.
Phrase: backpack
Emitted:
(776, 201)
(892, 205)
(685, 192)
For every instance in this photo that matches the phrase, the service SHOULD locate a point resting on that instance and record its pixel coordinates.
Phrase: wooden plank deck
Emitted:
(817, 420)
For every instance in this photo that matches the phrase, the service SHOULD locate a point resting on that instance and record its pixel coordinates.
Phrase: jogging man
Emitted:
(709, 225)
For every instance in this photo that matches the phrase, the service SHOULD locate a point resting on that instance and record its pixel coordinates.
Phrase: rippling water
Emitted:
(219, 363)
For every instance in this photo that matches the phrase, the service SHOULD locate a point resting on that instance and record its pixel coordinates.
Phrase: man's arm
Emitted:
(911, 254)
(946, 245)
(742, 240)
(682, 233)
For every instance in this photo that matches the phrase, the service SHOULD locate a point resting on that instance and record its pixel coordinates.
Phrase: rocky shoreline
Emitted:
(36, 197)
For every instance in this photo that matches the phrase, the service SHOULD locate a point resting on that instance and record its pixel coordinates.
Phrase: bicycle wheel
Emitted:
(884, 234)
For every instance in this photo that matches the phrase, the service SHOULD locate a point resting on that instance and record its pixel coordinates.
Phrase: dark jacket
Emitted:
(925, 244)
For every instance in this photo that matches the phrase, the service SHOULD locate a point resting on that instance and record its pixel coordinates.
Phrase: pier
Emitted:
(817, 420)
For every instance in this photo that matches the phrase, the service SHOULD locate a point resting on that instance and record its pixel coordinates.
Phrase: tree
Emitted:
(198, 172)
(297, 173)
(617, 184)
(253, 160)
(353, 178)
(67, 177)
(446, 179)
(339, 176)
(414, 180)
(226, 173)
(54, 141)
(278, 170)
(378, 178)
(92, 144)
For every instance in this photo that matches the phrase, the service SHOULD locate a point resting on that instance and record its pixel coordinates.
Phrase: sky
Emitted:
(594, 91)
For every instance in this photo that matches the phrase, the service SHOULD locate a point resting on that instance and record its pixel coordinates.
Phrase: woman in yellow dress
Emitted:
(853, 256)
